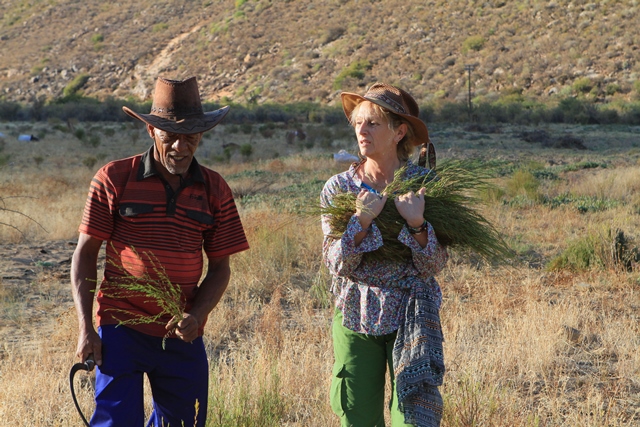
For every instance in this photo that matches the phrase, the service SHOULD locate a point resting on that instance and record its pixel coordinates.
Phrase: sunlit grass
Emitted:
(525, 346)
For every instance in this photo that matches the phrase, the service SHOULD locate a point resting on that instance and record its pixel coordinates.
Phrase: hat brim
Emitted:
(351, 100)
(185, 126)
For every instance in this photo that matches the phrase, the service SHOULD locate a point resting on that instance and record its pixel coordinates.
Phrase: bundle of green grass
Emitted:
(452, 192)
(157, 289)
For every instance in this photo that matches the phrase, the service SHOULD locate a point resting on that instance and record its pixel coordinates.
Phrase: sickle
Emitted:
(87, 365)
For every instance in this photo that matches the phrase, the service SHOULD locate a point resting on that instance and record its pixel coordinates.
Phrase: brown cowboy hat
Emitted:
(177, 108)
(393, 99)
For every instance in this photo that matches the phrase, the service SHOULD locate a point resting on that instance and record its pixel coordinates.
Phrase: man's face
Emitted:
(174, 151)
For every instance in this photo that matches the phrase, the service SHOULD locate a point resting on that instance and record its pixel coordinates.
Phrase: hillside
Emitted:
(257, 51)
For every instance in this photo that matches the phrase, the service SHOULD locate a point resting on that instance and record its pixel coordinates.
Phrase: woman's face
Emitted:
(375, 140)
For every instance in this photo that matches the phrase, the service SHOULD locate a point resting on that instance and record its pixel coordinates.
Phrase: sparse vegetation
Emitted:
(557, 329)
(239, 43)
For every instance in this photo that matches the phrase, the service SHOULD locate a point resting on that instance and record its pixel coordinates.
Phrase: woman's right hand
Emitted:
(368, 207)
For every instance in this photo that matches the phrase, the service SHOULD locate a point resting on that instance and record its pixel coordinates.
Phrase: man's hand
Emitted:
(89, 344)
(83, 286)
(185, 329)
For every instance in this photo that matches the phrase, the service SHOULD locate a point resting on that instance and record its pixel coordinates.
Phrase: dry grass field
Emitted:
(526, 344)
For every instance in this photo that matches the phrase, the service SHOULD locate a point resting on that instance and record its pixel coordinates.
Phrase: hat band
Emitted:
(161, 111)
(391, 103)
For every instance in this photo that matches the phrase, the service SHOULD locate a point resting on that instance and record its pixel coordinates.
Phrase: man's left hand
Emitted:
(186, 329)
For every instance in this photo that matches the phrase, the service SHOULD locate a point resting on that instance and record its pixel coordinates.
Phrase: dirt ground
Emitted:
(36, 289)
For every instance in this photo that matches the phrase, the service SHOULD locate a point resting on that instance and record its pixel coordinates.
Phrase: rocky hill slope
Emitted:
(256, 51)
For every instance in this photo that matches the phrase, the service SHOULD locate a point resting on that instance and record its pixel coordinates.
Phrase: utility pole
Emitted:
(469, 68)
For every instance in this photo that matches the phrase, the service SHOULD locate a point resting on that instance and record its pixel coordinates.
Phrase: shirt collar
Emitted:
(148, 168)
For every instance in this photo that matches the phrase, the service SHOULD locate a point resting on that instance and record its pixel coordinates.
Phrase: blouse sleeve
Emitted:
(429, 260)
(341, 255)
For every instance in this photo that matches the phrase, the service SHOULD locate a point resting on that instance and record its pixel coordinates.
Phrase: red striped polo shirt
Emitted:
(154, 232)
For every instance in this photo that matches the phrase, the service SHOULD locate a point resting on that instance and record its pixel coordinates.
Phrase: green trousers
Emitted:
(357, 386)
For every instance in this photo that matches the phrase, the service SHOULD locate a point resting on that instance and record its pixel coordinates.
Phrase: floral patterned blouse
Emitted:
(371, 294)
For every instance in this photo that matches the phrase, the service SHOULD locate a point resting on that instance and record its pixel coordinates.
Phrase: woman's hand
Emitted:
(368, 207)
(411, 207)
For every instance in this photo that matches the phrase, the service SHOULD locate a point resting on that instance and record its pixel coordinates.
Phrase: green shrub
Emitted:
(161, 26)
(523, 183)
(80, 134)
(582, 85)
(473, 43)
(267, 130)
(89, 162)
(75, 85)
(330, 34)
(601, 249)
(93, 140)
(355, 70)
(581, 254)
(246, 150)
(97, 38)
(612, 89)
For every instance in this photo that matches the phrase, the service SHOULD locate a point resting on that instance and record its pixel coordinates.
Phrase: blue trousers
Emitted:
(178, 375)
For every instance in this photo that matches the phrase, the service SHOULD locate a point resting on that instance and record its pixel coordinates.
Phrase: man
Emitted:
(158, 212)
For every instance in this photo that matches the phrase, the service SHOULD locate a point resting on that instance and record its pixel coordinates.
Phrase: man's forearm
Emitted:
(84, 273)
(83, 280)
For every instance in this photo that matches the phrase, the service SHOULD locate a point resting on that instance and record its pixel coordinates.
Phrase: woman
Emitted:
(386, 312)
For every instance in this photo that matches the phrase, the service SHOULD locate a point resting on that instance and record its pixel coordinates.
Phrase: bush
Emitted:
(246, 150)
(9, 111)
(454, 112)
(80, 134)
(573, 110)
(89, 162)
(604, 249)
(523, 183)
(473, 43)
(355, 70)
(612, 89)
(331, 34)
(92, 141)
(75, 85)
(582, 85)
(581, 254)
(161, 26)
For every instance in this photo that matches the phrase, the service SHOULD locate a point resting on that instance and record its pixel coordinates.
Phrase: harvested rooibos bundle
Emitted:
(450, 197)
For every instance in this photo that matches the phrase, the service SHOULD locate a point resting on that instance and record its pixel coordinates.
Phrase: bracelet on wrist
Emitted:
(418, 230)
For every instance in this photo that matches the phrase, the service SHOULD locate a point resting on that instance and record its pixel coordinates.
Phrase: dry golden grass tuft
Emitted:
(525, 346)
